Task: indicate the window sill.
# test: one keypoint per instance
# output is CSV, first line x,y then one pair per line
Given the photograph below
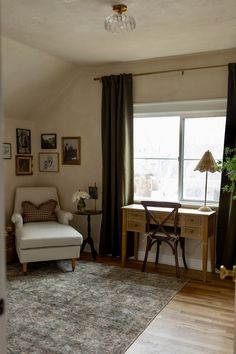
x,y
191,205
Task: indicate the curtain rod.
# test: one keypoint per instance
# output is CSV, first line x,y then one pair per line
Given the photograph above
x,y
173,70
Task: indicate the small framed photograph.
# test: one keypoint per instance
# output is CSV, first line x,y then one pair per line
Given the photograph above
x,y
93,192
48,162
24,165
6,151
71,154
48,141
23,141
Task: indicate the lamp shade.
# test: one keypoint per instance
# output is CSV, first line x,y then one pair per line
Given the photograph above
x,y
207,163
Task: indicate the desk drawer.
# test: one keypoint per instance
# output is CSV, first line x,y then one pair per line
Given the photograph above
x,y
136,221
136,215
191,232
136,226
191,220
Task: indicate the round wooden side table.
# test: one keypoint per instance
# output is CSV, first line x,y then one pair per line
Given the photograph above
x,y
89,239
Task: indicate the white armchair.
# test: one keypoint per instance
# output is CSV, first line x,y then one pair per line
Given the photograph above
x,y
44,240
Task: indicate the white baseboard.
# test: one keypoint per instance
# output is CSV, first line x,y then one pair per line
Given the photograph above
x,y
192,263
169,260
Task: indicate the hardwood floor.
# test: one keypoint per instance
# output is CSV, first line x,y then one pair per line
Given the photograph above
x,y
199,319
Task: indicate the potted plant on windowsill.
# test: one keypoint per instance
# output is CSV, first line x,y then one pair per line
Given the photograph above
x,y
229,166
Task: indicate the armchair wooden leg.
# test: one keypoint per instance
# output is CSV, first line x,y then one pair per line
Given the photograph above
x,y
24,268
73,261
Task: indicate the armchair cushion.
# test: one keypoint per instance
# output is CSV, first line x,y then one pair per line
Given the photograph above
x,y
43,212
48,234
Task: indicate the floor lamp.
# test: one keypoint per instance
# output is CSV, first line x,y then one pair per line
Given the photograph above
x,y
206,164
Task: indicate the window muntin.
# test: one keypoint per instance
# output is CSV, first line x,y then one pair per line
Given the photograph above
x,y
166,151
201,134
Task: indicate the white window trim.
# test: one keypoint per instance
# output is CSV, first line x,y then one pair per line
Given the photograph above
x,y
197,107
184,109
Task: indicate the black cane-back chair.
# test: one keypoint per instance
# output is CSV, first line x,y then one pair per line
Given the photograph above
x,y
162,227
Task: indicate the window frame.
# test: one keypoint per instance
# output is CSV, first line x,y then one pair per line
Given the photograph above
x,y
184,110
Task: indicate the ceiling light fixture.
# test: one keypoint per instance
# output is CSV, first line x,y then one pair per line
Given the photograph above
x,y
119,21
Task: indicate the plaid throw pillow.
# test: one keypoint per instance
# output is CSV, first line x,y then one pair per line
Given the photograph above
x,y
42,212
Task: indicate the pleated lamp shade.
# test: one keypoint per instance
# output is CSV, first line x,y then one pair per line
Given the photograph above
x,y
206,164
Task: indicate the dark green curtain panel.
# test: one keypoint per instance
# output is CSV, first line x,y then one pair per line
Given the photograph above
x,y
117,156
226,228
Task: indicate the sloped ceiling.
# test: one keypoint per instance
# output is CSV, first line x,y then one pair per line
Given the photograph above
x,y
32,80
44,41
74,29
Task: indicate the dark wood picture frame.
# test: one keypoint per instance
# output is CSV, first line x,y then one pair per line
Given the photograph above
x,y
6,151
23,141
24,165
71,150
48,141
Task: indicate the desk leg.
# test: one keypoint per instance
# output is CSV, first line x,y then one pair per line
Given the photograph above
x,y
204,260
204,248
136,245
212,244
124,237
212,247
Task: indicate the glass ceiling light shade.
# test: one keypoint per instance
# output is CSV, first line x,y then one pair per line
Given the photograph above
x,y
119,21
206,164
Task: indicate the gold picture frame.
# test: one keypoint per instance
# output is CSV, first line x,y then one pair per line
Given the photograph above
x,y
24,165
71,150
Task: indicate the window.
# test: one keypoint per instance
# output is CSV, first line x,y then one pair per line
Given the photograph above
x,y
168,146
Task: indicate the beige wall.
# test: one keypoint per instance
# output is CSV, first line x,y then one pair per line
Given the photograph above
x,y
77,110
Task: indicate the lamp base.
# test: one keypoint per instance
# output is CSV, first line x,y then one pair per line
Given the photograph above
x,y
204,208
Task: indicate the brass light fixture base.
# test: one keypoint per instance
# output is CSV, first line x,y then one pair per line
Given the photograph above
x,y
120,8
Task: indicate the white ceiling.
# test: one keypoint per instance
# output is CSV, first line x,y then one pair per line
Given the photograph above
x,y
74,29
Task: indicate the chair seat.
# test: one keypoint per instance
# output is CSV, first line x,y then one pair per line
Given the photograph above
x,y
48,234
161,235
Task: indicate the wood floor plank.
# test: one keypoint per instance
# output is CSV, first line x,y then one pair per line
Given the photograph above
x,y
198,320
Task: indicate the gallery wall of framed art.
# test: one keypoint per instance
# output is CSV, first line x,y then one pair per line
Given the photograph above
x,y
48,160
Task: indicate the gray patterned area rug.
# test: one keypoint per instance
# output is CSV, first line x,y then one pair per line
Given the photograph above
x,y
98,309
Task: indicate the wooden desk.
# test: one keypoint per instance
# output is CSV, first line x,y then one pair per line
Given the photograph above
x,y
194,224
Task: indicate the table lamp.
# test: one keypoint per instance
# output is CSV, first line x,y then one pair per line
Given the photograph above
x,y
206,164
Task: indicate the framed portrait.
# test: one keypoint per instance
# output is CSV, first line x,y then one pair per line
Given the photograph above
x,y
48,162
48,141
6,151
71,154
93,192
23,141
24,165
